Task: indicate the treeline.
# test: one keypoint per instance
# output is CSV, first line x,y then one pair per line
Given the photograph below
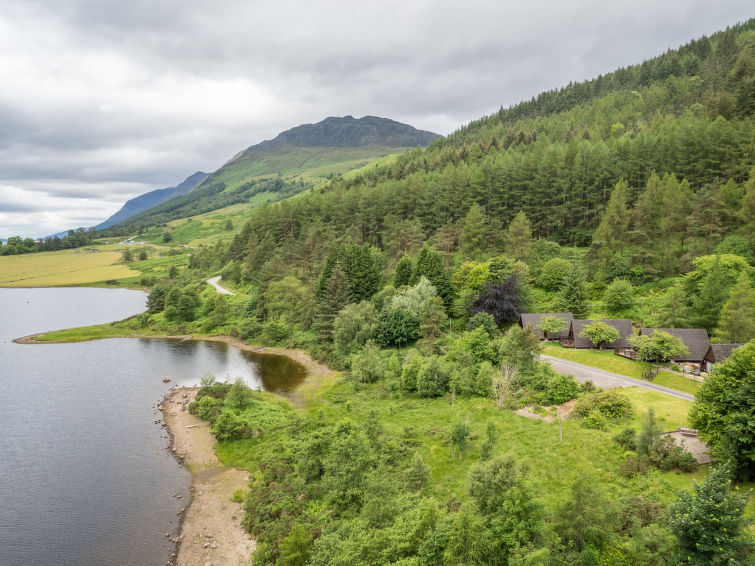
x,y
74,239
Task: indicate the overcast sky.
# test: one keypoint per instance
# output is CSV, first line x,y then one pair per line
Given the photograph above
x,y
101,101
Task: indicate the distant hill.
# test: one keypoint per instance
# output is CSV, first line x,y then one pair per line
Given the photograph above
x,y
313,147
152,198
295,160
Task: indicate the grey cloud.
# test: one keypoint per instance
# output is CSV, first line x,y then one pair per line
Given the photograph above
x,y
106,93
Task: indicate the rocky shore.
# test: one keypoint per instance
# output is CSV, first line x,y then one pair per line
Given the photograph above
x,y
211,532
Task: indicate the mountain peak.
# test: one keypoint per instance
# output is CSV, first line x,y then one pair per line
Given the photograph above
x,y
348,131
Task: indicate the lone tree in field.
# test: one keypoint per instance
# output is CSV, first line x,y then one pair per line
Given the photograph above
x,y
551,325
599,333
710,525
658,348
459,437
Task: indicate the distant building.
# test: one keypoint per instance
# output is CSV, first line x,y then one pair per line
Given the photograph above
x,y
533,319
574,340
696,340
716,354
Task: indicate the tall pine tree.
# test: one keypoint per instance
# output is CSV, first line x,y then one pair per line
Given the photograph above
x,y
573,295
737,321
335,297
518,239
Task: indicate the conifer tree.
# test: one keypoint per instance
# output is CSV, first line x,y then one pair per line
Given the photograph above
x,y
573,295
430,265
611,234
674,312
737,322
403,272
518,240
335,297
473,232
713,294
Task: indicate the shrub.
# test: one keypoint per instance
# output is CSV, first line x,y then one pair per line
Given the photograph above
x,y
627,439
552,274
366,366
619,296
208,408
229,426
561,388
275,330
595,419
612,404
486,321
432,378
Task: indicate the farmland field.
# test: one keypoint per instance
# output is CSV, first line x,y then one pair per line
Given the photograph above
x,y
66,267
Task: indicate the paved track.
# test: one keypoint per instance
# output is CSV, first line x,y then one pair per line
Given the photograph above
x,y
606,379
218,288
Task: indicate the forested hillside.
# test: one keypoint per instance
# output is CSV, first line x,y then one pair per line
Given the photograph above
x,y
630,196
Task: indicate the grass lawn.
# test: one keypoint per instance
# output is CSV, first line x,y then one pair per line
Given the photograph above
x,y
609,361
65,267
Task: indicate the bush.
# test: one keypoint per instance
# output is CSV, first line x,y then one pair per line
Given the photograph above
x,y
627,439
207,408
229,426
486,321
595,419
366,366
432,378
561,388
612,404
634,466
619,296
552,274
275,331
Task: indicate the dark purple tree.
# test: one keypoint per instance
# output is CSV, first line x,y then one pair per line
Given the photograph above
x,y
503,301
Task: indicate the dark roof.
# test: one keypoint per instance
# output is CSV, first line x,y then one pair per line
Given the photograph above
x,y
696,340
534,318
624,326
720,351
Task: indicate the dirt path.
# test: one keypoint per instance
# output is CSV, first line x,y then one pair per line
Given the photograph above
x,y
211,532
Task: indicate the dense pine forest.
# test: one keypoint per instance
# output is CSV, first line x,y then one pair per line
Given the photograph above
x,y
629,196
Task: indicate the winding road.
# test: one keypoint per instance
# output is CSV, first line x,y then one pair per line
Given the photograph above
x,y
607,379
222,290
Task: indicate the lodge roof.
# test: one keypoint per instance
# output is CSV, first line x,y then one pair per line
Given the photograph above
x,y
534,318
696,340
719,352
624,326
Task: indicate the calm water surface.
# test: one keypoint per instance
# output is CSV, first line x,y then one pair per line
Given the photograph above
x,y
85,477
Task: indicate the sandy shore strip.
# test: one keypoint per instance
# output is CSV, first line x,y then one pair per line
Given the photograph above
x,y
211,532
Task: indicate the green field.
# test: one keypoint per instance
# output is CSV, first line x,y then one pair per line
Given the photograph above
x,y
609,361
81,266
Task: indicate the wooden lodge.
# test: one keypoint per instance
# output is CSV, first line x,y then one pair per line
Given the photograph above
x,y
574,340
696,340
533,319
716,354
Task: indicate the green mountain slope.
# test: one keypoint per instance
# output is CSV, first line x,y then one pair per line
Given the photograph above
x,y
687,113
295,160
